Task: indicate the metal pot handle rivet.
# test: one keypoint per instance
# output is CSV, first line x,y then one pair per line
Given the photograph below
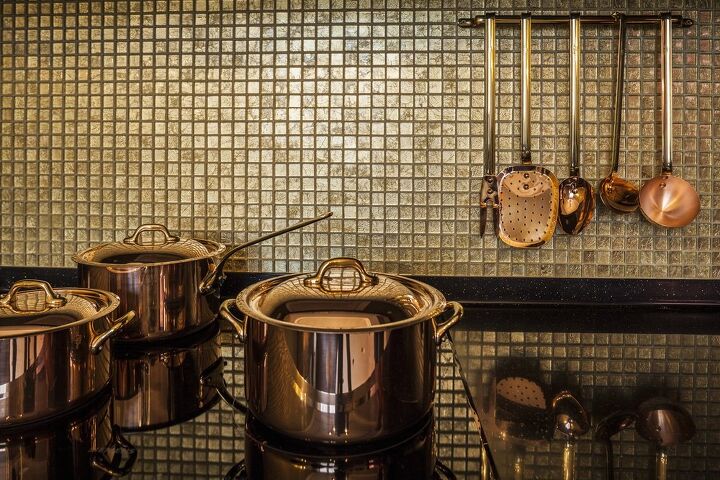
x,y
97,343
237,324
316,281
118,443
52,298
150,227
442,327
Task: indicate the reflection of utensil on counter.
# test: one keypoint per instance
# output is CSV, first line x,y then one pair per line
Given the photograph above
x,y
571,419
521,415
615,192
665,424
488,192
667,200
607,428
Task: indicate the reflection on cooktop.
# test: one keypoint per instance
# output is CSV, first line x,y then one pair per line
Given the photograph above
x,y
627,405
215,443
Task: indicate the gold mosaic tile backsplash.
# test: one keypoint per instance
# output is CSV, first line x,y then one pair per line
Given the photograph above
x,y
229,119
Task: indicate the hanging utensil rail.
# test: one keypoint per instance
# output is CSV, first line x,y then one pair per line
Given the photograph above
x,y
479,20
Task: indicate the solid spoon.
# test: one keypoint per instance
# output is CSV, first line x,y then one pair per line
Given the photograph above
x,y
577,201
615,192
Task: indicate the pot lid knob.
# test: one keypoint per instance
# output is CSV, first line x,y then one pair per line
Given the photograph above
x,y
134,239
52,298
317,280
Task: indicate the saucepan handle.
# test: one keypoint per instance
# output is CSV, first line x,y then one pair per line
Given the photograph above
x,y
114,467
96,344
213,377
443,326
215,276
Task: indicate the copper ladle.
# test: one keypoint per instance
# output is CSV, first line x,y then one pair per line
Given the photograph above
x,y
617,193
667,200
577,201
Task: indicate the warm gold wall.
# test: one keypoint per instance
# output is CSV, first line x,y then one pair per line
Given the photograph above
x,y
226,119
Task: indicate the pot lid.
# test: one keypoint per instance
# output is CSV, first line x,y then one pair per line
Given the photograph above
x,y
33,306
341,296
132,251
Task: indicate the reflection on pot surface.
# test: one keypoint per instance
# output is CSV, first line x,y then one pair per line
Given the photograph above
x,y
82,445
268,456
161,386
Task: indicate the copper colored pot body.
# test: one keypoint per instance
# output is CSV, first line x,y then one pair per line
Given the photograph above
x,y
162,387
340,363
165,296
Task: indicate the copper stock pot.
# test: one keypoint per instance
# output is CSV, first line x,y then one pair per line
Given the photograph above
x,y
340,356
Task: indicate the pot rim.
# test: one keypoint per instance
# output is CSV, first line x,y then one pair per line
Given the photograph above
x,y
435,307
215,249
111,300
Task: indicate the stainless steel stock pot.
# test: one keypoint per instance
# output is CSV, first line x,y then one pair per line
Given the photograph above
x,y
341,355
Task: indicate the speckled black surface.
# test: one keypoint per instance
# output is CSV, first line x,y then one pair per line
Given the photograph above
x,y
521,303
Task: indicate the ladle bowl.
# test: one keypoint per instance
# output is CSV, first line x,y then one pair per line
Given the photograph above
x,y
669,201
618,194
664,423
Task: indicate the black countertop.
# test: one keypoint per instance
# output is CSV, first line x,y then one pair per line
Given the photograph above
x,y
611,344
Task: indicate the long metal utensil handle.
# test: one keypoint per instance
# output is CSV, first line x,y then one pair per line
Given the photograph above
x,y
661,463
489,152
525,54
667,100
210,281
574,94
619,86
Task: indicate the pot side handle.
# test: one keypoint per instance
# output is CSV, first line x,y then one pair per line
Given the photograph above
x,y
442,327
96,344
229,316
118,443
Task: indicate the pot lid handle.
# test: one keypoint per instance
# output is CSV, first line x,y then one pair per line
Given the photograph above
x,y
316,281
150,227
52,298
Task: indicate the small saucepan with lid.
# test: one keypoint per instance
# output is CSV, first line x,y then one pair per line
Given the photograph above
x,y
51,348
340,356
165,279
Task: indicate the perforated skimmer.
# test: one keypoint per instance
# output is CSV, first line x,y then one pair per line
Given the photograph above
x,y
528,194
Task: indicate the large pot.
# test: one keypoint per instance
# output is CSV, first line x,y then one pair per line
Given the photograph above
x,y
51,348
340,358
168,283
158,280
76,445
159,387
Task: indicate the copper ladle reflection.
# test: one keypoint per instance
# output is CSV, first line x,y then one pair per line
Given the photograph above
x,y
577,201
667,200
615,192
